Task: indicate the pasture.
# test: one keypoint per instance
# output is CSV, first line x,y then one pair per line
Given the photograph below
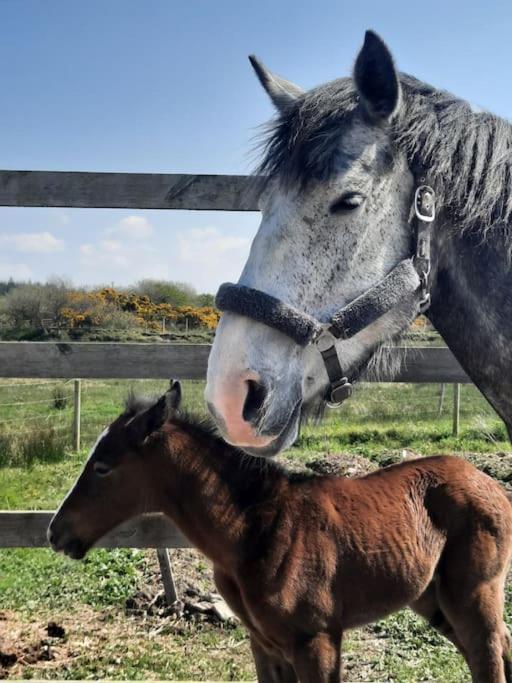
x,y
113,625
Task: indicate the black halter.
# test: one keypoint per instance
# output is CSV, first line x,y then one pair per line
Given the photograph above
x,y
406,285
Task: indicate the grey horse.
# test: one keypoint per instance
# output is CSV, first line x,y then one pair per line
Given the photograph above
x,y
340,165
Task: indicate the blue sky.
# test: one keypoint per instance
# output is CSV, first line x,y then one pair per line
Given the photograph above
x,y
165,86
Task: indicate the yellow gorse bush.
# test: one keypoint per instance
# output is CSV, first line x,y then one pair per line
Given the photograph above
x,y
94,309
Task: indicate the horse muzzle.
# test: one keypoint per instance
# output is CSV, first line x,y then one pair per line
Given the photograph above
x,y
62,540
255,414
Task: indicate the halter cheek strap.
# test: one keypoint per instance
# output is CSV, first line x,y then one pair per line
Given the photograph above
x,y
404,287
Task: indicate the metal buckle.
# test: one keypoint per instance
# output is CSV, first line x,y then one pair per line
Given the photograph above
x,y
324,340
340,391
418,197
424,303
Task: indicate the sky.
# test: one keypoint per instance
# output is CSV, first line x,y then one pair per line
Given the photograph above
x,y
165,86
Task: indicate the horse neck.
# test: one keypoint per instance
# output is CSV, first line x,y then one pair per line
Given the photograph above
x,y
215,495
471,310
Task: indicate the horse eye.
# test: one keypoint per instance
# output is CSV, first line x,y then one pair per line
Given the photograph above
x,y
102,469
347,202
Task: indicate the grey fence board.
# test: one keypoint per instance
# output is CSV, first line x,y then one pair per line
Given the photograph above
x,y
103,360
22,529
112,360
77,189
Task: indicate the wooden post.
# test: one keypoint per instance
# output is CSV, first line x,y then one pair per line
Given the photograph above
x,y
456,409
164,561
441,399
77,406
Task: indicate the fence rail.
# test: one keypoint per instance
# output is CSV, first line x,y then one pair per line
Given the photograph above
x,y
23,529
77,189
110,360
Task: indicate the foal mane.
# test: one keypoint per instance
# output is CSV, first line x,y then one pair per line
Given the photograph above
x,y
467,154
204,429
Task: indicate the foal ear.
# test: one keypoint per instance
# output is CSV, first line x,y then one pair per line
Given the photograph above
x,y
376,79
148,421
281,92
173,397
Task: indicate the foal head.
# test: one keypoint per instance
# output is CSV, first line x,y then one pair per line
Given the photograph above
x,y
120,477
335,220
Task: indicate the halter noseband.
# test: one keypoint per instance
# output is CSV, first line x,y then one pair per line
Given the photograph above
x,y
405,285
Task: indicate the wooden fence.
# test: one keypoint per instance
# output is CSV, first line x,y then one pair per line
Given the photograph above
x,y
113,360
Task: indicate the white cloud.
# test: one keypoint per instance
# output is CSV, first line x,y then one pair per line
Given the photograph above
x,y
18,271
204,257
31,242
86,249
200,244
211,256
132,227
127,262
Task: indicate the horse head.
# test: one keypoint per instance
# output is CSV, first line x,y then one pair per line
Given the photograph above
x,y
336,209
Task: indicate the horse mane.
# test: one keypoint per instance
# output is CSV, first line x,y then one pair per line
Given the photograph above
x,y
467,154
203,428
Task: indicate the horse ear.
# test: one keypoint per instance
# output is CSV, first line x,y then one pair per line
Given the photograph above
x,y
376,79
173,397
281,92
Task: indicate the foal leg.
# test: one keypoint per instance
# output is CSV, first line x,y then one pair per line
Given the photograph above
x,y
318,659
507,654
476,613
271,669
427,606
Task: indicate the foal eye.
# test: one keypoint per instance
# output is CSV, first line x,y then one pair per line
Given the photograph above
x,y
347,202
102,469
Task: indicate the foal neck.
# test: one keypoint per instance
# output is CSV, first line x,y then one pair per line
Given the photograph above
x,y
214,493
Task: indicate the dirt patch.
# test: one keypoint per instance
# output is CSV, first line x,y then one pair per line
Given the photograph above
x,y
342,465
98,644
496,465
25,644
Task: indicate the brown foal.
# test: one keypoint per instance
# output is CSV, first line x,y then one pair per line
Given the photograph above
x,y
301,558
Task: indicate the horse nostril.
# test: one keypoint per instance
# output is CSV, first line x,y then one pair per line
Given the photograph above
x,y
254,400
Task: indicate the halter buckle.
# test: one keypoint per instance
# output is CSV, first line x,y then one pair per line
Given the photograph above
x,y
340,391
424,304
324,340
425,203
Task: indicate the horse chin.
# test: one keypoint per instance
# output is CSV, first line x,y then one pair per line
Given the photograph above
x,y
76,549
285,438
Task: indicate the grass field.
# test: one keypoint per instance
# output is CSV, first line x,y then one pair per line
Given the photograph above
x,y
103,637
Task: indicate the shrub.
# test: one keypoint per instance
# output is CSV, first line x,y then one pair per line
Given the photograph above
x,y
167,292
203,300
23,447
30,304
60,399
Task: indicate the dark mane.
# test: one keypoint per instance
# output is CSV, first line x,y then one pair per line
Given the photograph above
x,y
467,154
202,427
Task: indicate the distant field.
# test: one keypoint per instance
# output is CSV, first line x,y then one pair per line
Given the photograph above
x,y
89,598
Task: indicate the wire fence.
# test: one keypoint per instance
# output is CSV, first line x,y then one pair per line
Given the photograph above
x,y
27,406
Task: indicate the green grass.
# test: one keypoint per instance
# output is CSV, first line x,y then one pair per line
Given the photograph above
x,y
36,585
35,579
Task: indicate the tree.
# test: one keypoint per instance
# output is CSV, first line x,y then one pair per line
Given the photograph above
x,y
30,304
167,292
6,286
203,300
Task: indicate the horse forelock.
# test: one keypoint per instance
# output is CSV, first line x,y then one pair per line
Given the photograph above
x,y
467,152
